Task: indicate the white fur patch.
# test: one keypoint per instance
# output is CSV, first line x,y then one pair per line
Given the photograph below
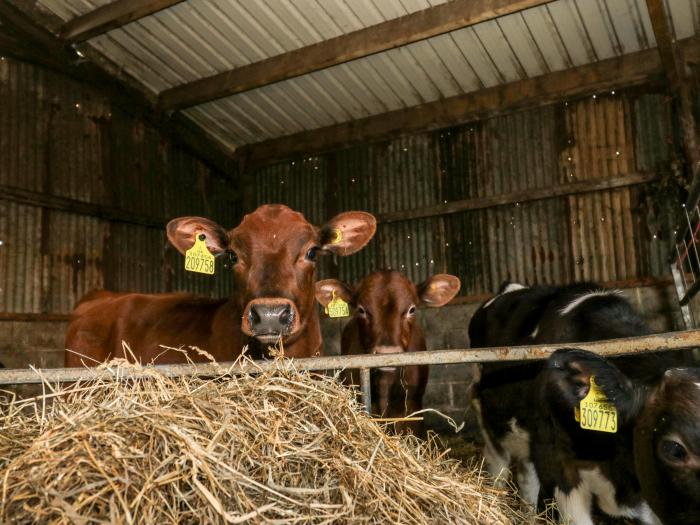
x,y
517,441
534,332
697,385
497,464
576,505
528,482
582,298
512,287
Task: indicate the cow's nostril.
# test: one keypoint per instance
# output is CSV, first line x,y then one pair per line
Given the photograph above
x,y
286,315
253,316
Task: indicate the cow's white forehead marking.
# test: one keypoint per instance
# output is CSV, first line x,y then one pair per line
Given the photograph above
x,y
512,287
582,298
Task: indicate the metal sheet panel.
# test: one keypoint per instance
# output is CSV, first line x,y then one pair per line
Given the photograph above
x,y
199,38
61,139
602,235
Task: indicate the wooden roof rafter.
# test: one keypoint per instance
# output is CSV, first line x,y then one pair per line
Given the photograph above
x,y
111,16
387,35
625,71
36,44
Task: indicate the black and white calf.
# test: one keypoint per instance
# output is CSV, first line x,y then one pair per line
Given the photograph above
x,y
505,396
648,470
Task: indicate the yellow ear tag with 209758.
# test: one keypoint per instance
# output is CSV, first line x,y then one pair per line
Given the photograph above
x,y
596,412
337,307
198,258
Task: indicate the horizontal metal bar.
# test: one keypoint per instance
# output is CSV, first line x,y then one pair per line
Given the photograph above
x,y
631,345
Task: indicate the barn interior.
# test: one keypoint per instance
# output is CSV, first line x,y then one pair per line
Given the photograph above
x,y
537,141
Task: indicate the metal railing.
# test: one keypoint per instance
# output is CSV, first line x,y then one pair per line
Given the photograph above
x,y
627,346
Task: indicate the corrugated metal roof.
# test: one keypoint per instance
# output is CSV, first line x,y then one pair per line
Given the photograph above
x,y
199,38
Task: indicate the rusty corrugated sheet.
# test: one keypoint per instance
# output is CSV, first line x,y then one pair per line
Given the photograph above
x,y
60,138
603,235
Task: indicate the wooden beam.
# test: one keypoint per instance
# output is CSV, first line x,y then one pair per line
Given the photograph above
x,y
109,213
664,41
574,188
375,39
111,16
681,91
47,50
634,69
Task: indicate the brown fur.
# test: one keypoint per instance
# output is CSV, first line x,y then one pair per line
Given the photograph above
x,y
271,245
384,322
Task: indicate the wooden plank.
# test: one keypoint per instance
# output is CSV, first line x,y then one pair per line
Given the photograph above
x,y
32,317
43,200
111,16
673,61
574,188
635,69
612,347
375,39
47,50
664,41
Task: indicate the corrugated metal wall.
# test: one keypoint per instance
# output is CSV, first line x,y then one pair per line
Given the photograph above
x,y
602,235
63,139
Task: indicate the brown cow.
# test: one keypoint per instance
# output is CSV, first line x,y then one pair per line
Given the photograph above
x,y
385,322
275,250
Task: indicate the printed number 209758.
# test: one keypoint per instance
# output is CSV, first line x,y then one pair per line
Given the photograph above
x,y
199,264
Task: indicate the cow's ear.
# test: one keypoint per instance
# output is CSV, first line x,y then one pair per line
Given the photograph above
x,y
348,232
438,290
568,380
183,231
325,291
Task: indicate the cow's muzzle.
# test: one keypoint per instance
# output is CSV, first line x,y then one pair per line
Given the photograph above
x,y
270,319
384,349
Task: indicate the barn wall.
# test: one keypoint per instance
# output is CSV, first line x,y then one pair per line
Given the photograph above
x,y
61,140
611,235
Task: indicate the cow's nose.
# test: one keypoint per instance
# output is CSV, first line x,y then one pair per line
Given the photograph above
x,y
270,319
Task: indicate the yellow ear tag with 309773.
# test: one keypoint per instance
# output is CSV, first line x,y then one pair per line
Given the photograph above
x,y
337,307
596,412
198,258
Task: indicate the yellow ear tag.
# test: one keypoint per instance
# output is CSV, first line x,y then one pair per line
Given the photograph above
x,y
596,412
198,258
337,307
338,236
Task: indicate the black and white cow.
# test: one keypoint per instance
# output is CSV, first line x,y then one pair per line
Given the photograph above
x,y
505,396
648,470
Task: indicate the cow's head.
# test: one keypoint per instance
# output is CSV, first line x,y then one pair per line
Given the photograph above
x,y
663,421
385,305
667,447
275,250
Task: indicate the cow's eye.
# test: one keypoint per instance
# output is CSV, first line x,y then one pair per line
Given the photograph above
x,y
311,254
230,260
361,310
672,451
411,310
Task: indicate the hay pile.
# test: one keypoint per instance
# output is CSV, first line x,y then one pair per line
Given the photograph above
x,y
278,447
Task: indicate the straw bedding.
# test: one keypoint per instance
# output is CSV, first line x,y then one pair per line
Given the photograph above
x,y
273,447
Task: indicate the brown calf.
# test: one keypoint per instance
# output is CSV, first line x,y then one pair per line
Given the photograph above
x,y
275,250
385,322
